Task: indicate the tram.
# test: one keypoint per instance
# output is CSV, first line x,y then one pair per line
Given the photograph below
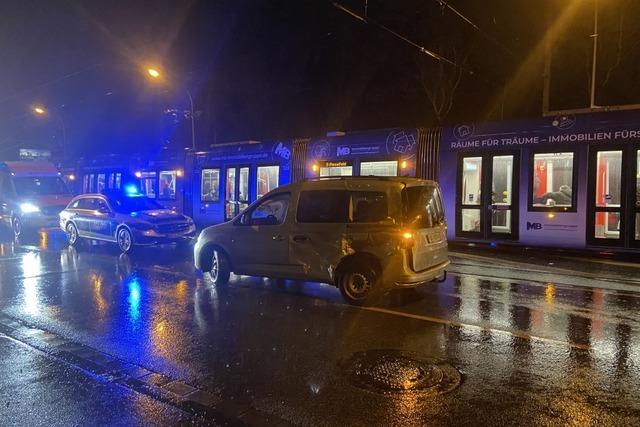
x,y
570,181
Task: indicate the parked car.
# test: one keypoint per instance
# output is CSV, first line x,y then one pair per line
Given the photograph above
x,y
124,218
32,194
361,234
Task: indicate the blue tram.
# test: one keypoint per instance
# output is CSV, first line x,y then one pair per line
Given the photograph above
x,y
567,181
570,181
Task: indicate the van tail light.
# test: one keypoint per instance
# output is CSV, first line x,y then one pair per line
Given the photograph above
x,y
408,239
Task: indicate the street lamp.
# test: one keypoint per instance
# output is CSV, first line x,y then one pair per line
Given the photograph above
x,y
42,111
155,74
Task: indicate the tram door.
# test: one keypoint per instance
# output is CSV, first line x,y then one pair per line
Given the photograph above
x,y
613,217
487,196
237,191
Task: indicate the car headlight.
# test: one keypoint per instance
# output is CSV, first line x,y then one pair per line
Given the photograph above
x,y
28,208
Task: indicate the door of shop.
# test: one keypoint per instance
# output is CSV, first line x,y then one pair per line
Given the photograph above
x,y
613,217
237,191
487,196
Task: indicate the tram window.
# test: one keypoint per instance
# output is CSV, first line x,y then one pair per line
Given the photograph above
x,y
384,168
118,178
336,170
243,188
85,184
92,178
608,185
210,185
148,184
167,189
471,173
638,180
101,182
552,180
267,179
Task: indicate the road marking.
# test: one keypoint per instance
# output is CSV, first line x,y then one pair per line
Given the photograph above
x,y
517,334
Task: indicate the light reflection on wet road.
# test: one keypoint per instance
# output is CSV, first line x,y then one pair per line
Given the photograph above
x,y
531,350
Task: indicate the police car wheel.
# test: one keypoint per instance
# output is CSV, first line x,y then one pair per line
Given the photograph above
x,y
125,240
72,234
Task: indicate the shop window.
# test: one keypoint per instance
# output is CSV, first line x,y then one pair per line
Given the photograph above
x,y
148,184
100,183
323,206
267,179
552,183
383,168
369,206
210,185
167,188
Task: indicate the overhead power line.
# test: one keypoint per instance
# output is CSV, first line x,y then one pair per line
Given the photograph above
x,y
422,49
444,4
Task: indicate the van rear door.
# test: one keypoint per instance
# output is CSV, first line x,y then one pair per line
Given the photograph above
x,y
424,216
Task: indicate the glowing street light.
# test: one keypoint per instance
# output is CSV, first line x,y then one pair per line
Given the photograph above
x,y
155,74
42,111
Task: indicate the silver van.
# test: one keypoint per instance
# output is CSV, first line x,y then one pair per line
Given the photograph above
x,y
361,234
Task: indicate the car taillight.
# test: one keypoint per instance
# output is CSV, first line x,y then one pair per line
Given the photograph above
x,y
407,239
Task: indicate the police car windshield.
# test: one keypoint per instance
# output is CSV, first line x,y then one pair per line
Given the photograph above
x,y
40,186
128,204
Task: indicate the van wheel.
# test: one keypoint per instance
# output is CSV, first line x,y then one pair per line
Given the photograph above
x,y
220,270
125,241
358,283
72,234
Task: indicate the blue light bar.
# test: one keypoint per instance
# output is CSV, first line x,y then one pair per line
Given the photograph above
x,y
131,190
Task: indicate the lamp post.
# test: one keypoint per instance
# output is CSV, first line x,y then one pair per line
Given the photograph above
x,y
155,74
42,111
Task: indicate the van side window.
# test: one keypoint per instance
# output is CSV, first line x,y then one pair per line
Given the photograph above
x,y
323,206
369,206
271,211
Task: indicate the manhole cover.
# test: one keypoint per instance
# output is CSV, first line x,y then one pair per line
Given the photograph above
x,y
394,371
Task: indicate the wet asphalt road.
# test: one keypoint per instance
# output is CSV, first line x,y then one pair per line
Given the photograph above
x,y
537,341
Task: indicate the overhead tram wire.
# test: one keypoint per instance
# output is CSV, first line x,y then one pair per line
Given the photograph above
x,y
444,4
422,49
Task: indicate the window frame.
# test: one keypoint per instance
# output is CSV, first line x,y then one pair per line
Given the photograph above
x,y
299,204
380,160
259,203
258,175
217,198
174,172
574,180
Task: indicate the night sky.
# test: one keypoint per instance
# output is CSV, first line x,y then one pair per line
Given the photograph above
x,y
286,68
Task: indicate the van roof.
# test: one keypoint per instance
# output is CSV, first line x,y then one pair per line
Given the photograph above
x,y
30,168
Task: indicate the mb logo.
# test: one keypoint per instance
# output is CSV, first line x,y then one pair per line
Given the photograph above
x,y
534,226
282,151
343,151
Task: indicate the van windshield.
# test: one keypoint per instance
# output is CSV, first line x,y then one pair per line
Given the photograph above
x,y
423,206
40,186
